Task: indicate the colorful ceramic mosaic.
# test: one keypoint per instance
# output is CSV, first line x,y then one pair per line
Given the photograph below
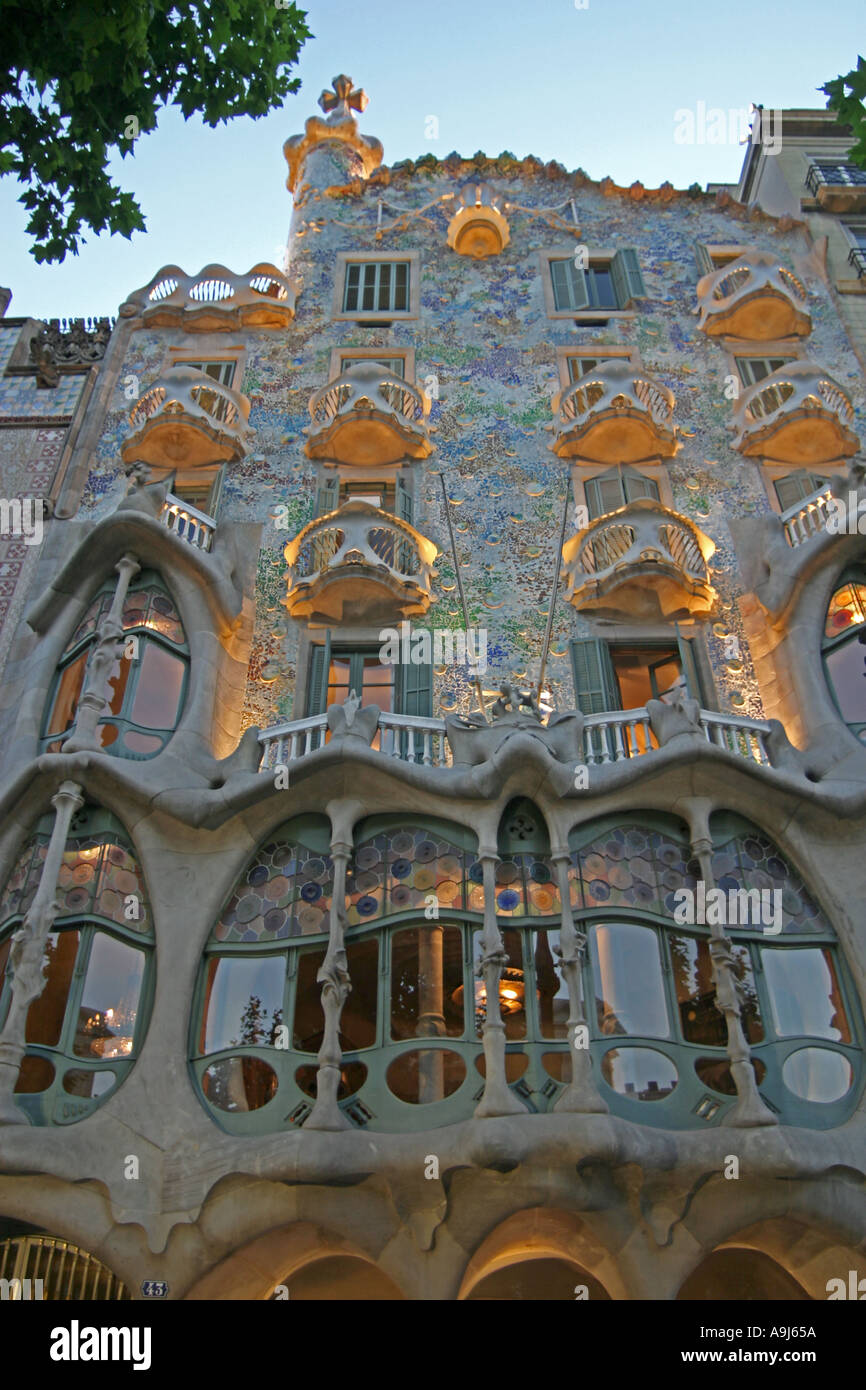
x,y
286,891
397,870
97,877
630,866
847,609
752,861
147,607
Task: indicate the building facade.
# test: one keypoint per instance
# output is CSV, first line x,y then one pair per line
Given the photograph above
x,y
468,610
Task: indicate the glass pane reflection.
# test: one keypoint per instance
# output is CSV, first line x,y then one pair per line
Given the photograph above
x,y
629,987
700,1020
640,1073
804,994
816,1073
243,1001
109,1002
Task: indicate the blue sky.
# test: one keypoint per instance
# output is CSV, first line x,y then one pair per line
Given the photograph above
x,y
596,87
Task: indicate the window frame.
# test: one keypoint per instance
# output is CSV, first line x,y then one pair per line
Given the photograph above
x,y
372,354
385,316
602,256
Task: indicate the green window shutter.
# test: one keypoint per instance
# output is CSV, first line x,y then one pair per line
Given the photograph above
x,y
690,666
328,496
415,692
353,281
703,258
595,684
627,280
635,485
595,505
216,492
569,285
403,501
317,688
796,487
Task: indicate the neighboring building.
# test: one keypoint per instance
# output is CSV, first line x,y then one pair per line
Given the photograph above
x,y
291,858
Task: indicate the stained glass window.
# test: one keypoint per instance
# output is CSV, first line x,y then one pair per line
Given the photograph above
x,y
844,653
286,891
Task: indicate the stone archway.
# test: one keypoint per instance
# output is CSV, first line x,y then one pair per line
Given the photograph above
x,y
310,1261
544,1249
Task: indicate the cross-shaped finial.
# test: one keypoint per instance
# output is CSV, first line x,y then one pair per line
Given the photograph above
x,y
343,96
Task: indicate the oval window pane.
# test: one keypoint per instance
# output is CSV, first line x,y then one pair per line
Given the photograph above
x,y
243,1001
804,994
715,1073
158,692
426,1075
640,1073
557,1065
817,1074
629,987
352,1077
515,1065
109,1000
142,743
92,1084
239,1084
36,1075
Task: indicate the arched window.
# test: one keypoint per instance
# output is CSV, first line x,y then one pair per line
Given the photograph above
x,y
411,1027
843,650
88,1024
147,684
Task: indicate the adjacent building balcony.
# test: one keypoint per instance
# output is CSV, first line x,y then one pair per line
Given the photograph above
x,y
214,299
753,298
615,414
359,564
837,186
368,416
798,414
643,561
187,418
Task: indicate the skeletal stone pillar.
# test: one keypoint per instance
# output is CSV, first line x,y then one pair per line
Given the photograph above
x,y
749,1109
108,648
431,1018
498,1098
333,976
27,954
580,1095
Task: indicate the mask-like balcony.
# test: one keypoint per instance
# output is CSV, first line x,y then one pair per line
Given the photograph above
x,y
368,416
187,418
615,414
642,561
796,415
214,299
754,298
359,564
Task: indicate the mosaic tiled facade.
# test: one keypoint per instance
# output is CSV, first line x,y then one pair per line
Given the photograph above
x,y
578,925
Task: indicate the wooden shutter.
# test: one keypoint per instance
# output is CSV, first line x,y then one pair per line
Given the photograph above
x,y
635,485
415,693
595,686
403,500
353,281
569,285
627,280
317,686
690,666
328,496
703,258
216,492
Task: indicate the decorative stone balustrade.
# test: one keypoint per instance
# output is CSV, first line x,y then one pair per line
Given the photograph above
x,y
188,522
807,518
615,414
754,298
359,563
368,416
214,299
798,414
186,417
607,738
642,560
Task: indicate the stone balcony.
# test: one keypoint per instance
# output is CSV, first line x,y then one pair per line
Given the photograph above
x,y
643,561
615,414
753,298
837,187
187,522
187,418
359,564
796,415
215,299
368,416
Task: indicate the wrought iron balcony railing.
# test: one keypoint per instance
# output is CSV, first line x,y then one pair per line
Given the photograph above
x,y
837,186
362,556
188,417
368,415
798,414
639,557
754,297
615,414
